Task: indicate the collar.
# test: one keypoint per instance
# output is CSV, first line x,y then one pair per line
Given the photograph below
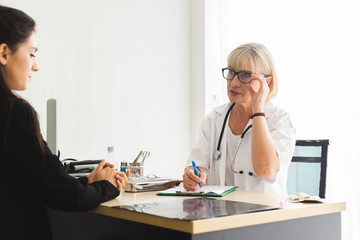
x,y
222,109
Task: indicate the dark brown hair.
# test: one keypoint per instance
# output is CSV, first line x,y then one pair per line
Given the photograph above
x,y
15,28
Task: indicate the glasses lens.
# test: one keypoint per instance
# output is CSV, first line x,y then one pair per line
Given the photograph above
x,y
228,74
245,77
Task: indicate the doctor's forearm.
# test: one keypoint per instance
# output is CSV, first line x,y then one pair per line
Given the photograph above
x,y
263,150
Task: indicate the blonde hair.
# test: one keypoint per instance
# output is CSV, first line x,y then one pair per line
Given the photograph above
x,y
255,57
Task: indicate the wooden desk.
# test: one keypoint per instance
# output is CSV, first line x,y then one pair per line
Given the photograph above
x,y
316,221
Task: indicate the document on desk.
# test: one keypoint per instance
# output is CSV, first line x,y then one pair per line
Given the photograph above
x,y
205,191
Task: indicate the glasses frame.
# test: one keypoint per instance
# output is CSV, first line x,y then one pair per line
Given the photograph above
x,y
237,74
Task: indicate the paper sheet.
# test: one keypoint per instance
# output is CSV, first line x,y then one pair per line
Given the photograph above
x,y
207,190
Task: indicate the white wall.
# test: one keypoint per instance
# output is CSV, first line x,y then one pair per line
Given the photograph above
x,y
121,73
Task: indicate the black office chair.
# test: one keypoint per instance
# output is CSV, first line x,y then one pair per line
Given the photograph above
x,y
307,171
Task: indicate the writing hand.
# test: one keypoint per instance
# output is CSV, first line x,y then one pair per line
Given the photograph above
x,y
191,181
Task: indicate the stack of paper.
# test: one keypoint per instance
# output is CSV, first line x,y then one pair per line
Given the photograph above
x,y
150,184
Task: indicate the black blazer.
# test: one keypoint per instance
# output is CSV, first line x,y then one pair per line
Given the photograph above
x,y
29,183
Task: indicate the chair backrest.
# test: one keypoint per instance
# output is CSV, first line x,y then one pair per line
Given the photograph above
x,y
307,171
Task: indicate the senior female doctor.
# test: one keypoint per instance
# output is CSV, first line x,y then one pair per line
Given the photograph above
x,y
248,142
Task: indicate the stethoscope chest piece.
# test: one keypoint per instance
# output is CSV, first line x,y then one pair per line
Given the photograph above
x,y
217,155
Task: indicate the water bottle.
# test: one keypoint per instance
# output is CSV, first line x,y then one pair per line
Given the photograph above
x,y
111,157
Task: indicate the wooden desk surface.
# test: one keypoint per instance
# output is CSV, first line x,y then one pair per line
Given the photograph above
x,y
290,211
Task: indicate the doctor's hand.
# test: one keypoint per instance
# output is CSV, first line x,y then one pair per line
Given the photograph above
x,y
191,181
259,90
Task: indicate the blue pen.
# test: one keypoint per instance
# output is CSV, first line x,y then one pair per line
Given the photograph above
x,y
196,171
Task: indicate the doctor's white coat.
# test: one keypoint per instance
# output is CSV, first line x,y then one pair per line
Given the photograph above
x,y
282,132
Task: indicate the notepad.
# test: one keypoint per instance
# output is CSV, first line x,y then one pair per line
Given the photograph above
x,y
205,191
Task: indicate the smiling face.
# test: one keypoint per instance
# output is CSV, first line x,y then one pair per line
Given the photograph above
x,y
19,65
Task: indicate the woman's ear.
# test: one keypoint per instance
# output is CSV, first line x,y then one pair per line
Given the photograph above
x,y
4,51
268,79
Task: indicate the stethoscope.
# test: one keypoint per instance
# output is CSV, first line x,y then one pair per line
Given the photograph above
x,y
217,154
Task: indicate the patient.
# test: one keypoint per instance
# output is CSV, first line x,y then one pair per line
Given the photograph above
x,y
31,178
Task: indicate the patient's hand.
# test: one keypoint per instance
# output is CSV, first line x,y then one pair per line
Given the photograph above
x,y
105,171
121,179
91,176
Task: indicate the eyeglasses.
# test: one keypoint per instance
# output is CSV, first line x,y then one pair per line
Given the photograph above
x,y
243,76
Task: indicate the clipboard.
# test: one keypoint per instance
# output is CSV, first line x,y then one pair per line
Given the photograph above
x,y
205,191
